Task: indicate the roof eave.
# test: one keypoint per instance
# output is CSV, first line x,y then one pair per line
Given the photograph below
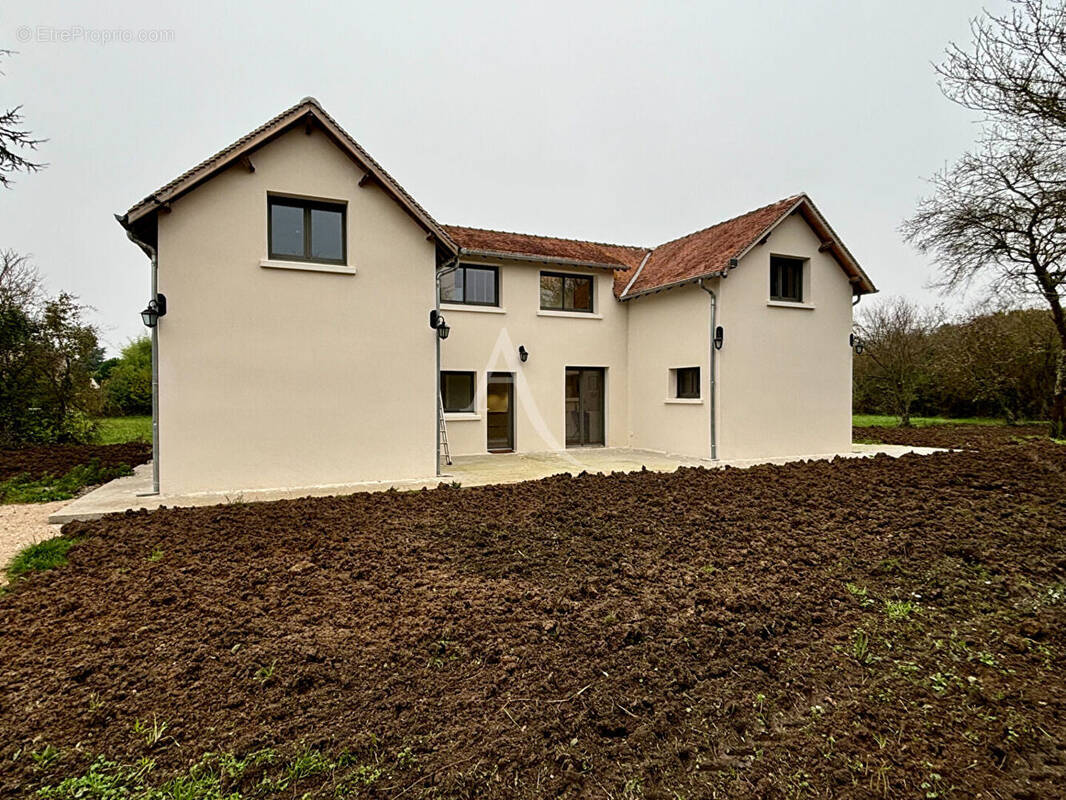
x,y
718,273
307,108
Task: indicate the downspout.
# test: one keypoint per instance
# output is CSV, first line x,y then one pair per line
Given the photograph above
x,y
154,256
713,370
438,409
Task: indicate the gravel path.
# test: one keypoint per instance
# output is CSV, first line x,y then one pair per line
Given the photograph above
x,y
23,524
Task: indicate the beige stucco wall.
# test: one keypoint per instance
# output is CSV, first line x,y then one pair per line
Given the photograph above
x,y
484,341
667,331
274,377
785,371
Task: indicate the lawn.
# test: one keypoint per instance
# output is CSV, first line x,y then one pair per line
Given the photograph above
x,y
852,628
117,430
890,421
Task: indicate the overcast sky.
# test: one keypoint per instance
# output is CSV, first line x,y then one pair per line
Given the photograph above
x,y
619,121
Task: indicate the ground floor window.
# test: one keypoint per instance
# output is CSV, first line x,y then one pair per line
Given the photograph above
x,y
686,383
457,391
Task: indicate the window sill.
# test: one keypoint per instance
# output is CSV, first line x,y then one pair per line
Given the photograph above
x,y
684,401
307,266
789,304
460,416
570,314
478,309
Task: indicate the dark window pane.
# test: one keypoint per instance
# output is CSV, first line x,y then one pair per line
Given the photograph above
x,y
457,391
551,291
286,230
451,287
582,294
688,382
327,231
480,285
786,279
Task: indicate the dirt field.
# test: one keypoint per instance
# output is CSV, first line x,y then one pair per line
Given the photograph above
x,y
858,628
950,435
57,459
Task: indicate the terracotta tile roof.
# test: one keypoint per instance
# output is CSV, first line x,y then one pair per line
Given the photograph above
x,y
703,252
306,109
523,244
638,270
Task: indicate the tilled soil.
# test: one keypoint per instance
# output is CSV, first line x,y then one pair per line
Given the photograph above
x,y
58,459
950,435
853,628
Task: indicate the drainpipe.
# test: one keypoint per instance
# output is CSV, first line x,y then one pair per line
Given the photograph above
x,y
713,363
438,410
154,256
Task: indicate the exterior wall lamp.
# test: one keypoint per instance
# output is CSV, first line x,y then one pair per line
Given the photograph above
x,y
523,354
157,308
436,321
719,337
856,344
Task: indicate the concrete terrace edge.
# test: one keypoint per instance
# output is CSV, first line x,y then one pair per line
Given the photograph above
x,y
129,493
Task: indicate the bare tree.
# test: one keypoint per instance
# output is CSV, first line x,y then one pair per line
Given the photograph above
x,y
1016,68
20,283
15,141
896,337
1000,212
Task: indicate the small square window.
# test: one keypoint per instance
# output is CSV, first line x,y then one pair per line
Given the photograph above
x,y
306,230
687,383
457,391
560,292
786,279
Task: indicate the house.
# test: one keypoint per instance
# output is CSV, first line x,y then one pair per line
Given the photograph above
x,y
297,278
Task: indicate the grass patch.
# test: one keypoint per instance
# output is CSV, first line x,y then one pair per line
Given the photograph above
x,y
890,421
224,776
46,488
44,555
119,430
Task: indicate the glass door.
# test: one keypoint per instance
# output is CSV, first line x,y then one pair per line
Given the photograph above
x,y
500,402
585,406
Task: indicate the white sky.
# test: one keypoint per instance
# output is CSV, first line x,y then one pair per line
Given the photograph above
x,y
617,121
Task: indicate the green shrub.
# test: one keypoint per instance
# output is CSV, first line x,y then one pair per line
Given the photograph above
x,y
128,387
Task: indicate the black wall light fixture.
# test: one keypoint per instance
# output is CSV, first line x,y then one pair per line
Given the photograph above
x,y
157,308
719,337
856,344
436,321
523,354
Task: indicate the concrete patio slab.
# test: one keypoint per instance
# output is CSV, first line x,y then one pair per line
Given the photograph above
x,y
132,492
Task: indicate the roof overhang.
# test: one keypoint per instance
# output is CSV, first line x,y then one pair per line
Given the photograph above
x,y
830,242
312,116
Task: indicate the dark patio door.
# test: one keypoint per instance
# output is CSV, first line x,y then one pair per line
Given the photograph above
x,y
584,406
500,403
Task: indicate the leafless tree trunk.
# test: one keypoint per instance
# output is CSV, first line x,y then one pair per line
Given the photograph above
x,y
998,216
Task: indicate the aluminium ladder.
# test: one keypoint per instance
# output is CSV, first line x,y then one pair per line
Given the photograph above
x,y
443,430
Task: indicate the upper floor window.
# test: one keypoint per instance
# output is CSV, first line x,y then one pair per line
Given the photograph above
x,y
561,292
786,279
471,285
306,230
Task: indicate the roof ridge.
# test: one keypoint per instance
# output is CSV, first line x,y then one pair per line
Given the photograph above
x,y
733,219
546,236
